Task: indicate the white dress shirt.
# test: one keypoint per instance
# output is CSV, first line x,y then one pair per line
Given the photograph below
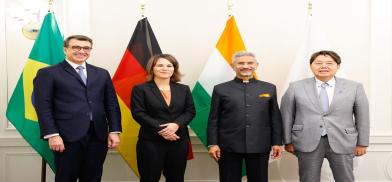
x,y
330,88
74,66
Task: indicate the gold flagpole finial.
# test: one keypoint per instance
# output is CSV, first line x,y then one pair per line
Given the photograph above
x,y
310,7
50,3
230,5
142,5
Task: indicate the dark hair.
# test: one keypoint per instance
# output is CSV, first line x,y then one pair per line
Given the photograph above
x,y
77,37
331,54
176,77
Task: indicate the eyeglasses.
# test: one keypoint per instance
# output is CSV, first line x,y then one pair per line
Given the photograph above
x,y
78,48
329,63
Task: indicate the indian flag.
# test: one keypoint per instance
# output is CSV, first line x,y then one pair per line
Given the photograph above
x,y
217,70
47,50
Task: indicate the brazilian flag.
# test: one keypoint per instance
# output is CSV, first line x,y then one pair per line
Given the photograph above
x,y
47,50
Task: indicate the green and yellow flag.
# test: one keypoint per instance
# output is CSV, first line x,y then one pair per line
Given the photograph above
x,y
47,50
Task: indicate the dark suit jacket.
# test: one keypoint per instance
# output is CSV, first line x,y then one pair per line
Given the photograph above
x,y
150,110
63,103
244,118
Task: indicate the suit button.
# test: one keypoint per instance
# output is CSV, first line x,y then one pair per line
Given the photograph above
x,y
247,126
247,105
90,102
321,126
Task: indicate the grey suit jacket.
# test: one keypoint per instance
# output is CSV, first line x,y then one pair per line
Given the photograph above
x,y
346,122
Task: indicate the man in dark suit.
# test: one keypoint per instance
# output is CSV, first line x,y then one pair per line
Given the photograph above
x,y
244,123
77,108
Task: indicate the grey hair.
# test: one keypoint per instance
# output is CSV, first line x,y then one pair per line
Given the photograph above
x,y
242,54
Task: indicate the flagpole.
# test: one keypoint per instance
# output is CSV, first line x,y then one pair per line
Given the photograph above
x,y
230,5
43,170
43,163
142,4
310,7
50,3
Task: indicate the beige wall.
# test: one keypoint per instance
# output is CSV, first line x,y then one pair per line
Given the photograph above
x,y
359,30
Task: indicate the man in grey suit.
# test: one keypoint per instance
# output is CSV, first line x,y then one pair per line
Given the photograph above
x,y
325,117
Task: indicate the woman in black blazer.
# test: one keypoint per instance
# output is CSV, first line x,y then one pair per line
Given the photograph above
x,y
163,108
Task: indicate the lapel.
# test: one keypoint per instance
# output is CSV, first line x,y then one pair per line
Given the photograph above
x,y
311,90
337,93
68,68
91,74
174,91
155,90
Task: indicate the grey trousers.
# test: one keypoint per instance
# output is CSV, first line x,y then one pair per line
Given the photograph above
x,y
310,163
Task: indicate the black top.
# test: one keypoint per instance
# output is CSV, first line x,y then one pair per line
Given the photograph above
x,y
150,109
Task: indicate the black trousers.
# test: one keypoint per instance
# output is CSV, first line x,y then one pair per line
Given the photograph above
x,y
157,157
81,160
230,166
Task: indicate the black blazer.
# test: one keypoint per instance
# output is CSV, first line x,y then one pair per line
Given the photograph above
x,y
63,103
244,117
150,110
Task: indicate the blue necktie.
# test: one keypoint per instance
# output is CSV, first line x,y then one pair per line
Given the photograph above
x,y
324,103
81,74
324,97
84,79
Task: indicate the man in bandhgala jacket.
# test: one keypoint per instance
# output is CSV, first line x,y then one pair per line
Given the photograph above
x,y
78,113
244,123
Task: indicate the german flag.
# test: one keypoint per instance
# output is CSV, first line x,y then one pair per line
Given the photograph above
x,y
130,72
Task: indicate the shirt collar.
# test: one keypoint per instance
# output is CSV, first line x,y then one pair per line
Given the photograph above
x,y
331,82
74,65
239,80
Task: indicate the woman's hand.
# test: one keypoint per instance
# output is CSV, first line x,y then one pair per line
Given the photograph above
x,y
168,128
169,131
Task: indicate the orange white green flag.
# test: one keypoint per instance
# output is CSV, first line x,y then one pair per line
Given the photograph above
x,y
217,70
